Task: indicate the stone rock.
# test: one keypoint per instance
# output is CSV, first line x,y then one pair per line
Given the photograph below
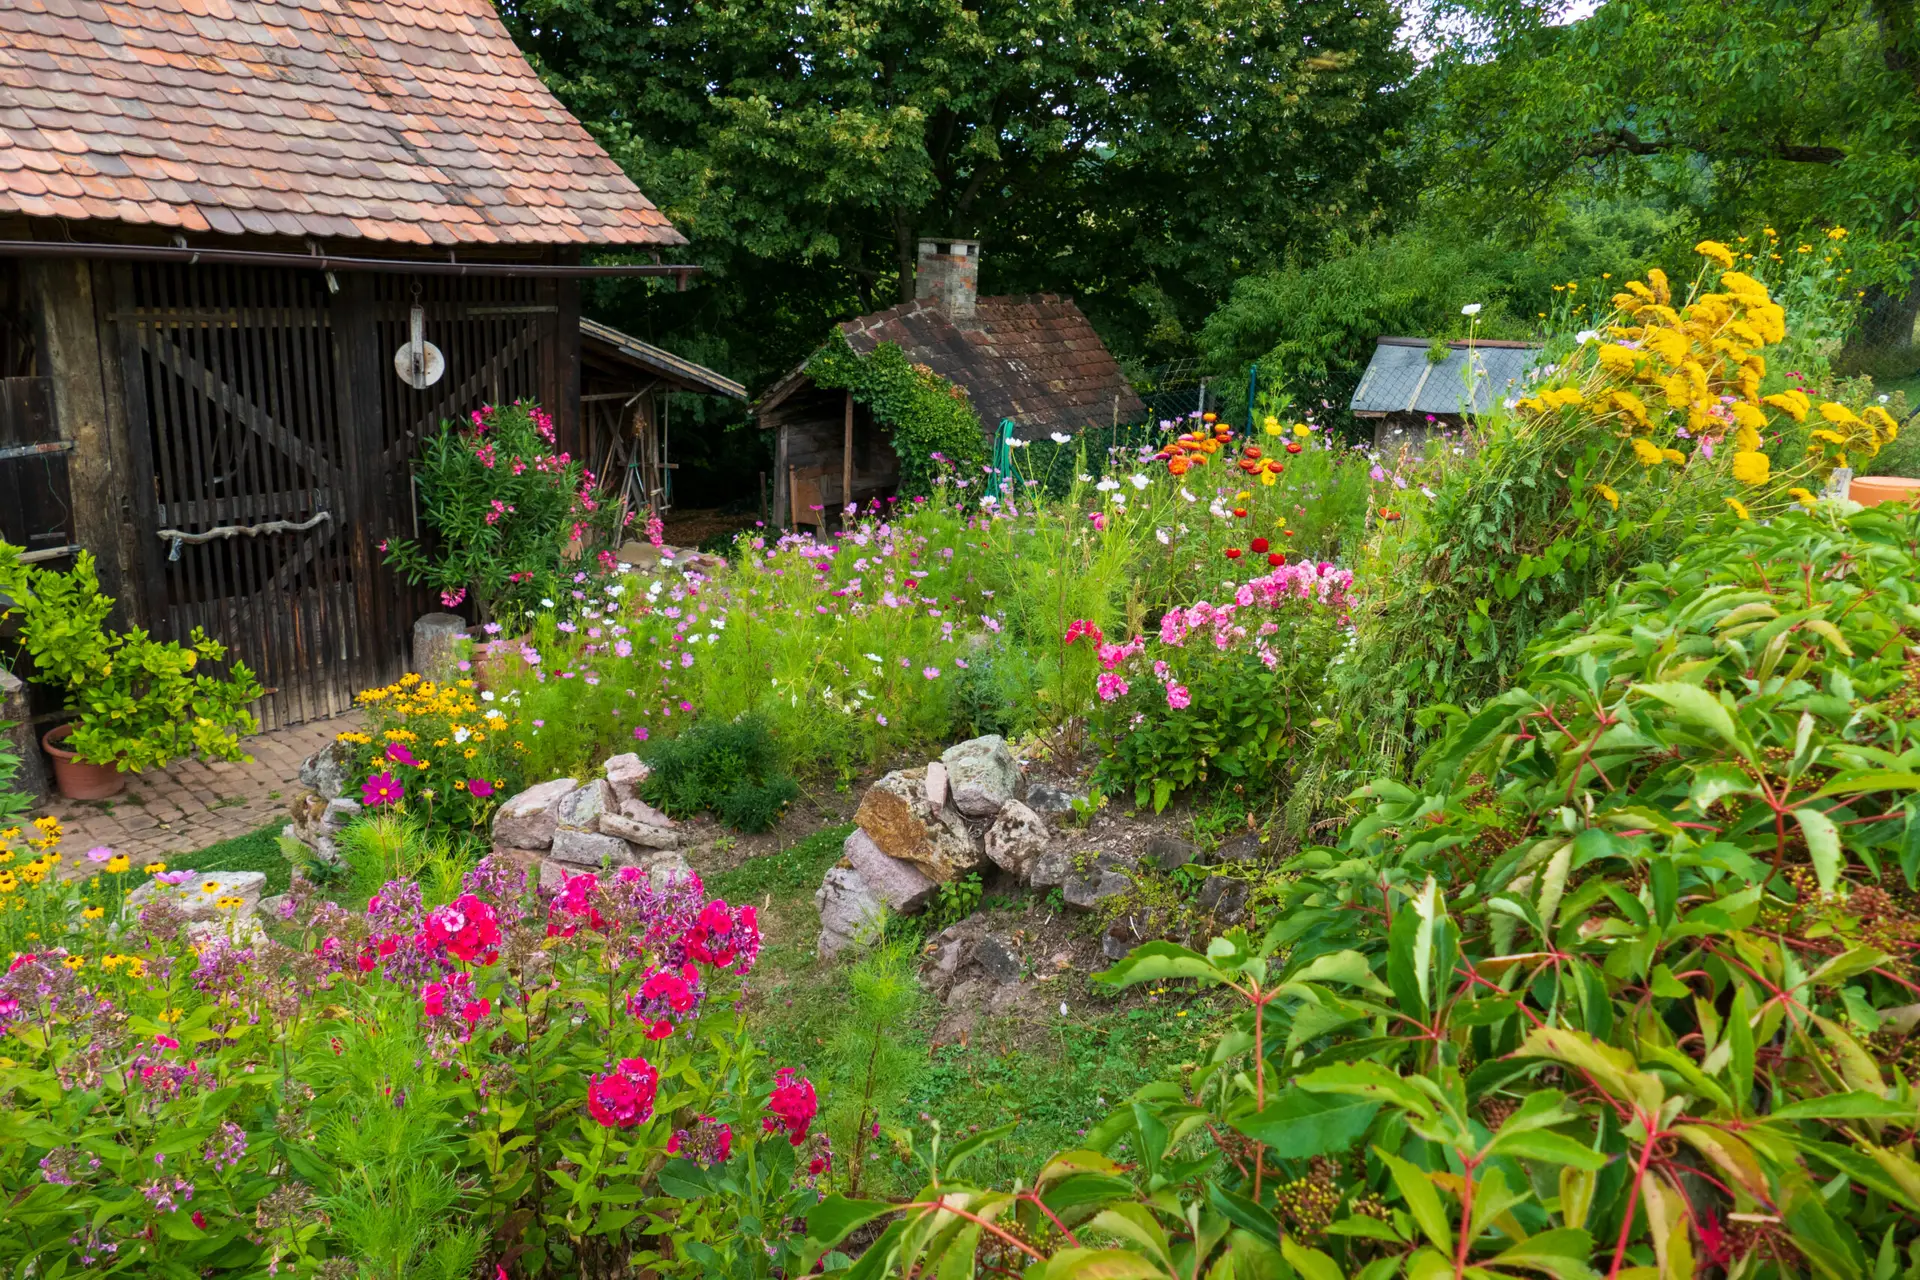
x,y
590,849
1016,839
527,821
850,916
1170,852
327,852
640,811
1224,897
994,960
580,809
626,770
1242,848
1108,877
644,834
437,641
1048,800
338,815
982,775
325,771
1051,869
936,786
196,898
663,865
642,554
901,885
895,815
549,875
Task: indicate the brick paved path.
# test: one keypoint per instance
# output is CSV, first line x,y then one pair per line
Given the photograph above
x,y
195,803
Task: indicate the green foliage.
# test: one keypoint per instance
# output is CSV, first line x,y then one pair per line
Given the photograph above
x,y
954,901
260,851
1804,114
1638,935
142,703
804,150
933,427
729,766
797,867
870,1068
503,507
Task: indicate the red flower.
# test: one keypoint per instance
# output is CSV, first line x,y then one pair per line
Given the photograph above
x,y
1276,559
1240,513
199,1219
1293,446
793,1106
1233,553
623,1097
724,937
1259,546
475,1010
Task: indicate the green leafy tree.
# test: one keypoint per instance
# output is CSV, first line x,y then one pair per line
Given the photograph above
x,y
1795,112
1135,156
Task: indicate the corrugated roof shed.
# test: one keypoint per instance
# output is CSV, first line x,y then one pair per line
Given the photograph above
x,y
662,363
1402,379
1034,359
388,120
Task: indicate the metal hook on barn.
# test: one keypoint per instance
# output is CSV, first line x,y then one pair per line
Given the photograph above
x,y
418,362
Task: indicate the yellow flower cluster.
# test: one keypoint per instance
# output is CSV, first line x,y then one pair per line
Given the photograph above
x,y
134,965
410,695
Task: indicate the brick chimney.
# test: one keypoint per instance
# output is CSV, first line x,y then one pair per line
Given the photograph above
x,y
948,276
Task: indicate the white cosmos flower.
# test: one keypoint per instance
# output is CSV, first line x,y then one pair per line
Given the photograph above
x,y
1061,437
1107,485
1137,480
1189,497
1471,309
1163,536
1585,336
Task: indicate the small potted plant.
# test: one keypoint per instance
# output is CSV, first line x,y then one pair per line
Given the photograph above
x,y
140,703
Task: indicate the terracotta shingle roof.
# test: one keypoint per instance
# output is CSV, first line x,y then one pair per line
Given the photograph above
x,y
1034,359
398,120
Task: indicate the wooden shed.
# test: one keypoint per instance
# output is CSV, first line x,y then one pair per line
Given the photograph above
x,y
1031,360
221,228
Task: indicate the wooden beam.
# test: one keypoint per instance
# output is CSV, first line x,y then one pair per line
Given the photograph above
x,y
846,467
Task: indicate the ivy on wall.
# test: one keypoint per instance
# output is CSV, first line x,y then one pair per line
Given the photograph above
x,y
926,414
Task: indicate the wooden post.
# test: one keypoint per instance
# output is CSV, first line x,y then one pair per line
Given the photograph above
x,y
68,335
846,467
763,497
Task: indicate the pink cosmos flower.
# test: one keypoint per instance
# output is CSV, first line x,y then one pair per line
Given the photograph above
x,y
479,788
398,753
381,788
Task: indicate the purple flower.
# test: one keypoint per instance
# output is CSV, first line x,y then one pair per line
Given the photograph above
x,y
99,853
479,788
640,732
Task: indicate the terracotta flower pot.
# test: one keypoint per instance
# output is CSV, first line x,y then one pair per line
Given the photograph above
x,y
1871,491
77,780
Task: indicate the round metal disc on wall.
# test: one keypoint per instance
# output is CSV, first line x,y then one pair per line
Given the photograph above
x,y
433,365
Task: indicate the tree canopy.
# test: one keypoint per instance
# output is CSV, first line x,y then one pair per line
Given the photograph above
x,y
1136,155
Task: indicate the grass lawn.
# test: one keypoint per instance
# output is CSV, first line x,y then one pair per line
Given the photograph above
x,y
257,851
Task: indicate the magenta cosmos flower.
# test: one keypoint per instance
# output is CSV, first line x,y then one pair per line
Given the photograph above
x,y
382,788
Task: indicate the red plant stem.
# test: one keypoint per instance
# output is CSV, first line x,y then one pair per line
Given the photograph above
x,y
1033,1198
1466,1217
1015,1241
1633,1201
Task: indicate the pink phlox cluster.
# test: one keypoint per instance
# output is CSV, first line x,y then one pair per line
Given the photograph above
x,y
667,998
623,1097
707,1143
791,1107
163,1078
725,938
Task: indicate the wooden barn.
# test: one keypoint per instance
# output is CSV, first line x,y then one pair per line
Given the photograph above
x,y
249,255
1030,360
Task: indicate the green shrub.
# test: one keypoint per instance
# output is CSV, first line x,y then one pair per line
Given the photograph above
x,y
729,766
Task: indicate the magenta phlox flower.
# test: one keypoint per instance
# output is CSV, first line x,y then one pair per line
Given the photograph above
x,y
623,1097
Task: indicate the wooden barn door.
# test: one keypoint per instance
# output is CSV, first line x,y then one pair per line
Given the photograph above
x,y
234,394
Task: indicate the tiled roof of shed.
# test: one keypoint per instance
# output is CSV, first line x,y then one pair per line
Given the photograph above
x,y
1034,359
390,120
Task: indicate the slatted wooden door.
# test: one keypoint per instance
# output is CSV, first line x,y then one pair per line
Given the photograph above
x,y
235,388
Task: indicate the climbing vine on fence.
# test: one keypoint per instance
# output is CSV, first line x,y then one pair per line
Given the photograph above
x,y
930,418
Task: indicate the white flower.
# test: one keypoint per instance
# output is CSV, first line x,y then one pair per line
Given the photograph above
x,y
1162,536
1189,497
546,604
1018,444
461,735
1107,485
873,657
1086,479
1585,336
1137,480
1061,437
486,695
988,500
1471,309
